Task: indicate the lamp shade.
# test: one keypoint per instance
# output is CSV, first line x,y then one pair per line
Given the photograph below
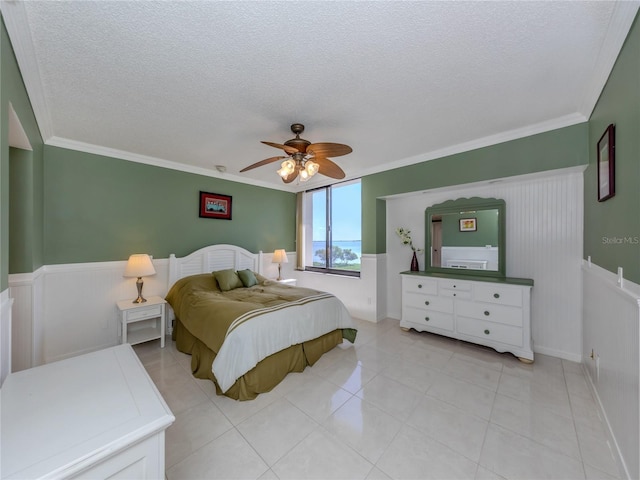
x,y
139,265
279,256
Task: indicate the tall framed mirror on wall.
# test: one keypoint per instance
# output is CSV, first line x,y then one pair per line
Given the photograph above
x,y
466,236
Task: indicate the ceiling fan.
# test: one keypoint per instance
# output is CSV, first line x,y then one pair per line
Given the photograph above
x,y
305,158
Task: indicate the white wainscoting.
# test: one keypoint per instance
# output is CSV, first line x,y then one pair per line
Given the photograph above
x,y
67,310
26,328
5,335
362,296
544,227
611,331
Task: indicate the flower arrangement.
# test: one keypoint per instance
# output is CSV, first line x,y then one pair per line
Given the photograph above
x,y
405,237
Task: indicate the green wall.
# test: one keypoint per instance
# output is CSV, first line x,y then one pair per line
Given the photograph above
x,y
21,206
486,229
565,147
612,227
25,198
100,209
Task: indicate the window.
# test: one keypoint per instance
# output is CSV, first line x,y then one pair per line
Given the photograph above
x,y
332,229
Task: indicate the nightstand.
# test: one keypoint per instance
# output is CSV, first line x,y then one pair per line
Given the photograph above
x,y
152,315
288,281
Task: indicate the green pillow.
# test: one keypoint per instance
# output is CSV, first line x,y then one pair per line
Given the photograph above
x,y
248,278
227,279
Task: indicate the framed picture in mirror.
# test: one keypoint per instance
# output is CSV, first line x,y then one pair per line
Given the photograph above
x,y
468,224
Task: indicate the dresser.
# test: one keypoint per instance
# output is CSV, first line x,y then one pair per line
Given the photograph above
x,y
97,415
491,311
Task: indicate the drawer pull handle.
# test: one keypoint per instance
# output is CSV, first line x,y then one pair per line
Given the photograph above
x,y
426,302
454,294
487,332
419,285
496,295
454,286
486,313
426,319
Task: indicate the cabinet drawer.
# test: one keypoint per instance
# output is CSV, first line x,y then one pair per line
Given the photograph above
x,y
419,285
499,294
455,294
429,318
492,313
456,285
428,302
145,312
489,331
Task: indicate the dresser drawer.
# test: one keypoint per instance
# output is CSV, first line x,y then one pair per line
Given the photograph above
x,y
492,313
428,302
456,285
489,331
428,318
148,312
419,285
455,294
499,294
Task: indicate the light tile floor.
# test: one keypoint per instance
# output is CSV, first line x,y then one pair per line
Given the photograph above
x,y
402,405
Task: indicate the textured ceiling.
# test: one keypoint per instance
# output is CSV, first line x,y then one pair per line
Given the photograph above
x,y
193,85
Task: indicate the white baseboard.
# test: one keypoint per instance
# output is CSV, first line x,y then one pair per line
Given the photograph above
x,y
573,357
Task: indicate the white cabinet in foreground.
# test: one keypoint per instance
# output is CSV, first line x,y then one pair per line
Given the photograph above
x,y
489,311
97,415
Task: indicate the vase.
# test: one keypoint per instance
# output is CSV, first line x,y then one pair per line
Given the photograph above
x,y
414,263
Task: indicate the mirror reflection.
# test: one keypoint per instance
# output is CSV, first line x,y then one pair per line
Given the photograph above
x,y
466,235
465,240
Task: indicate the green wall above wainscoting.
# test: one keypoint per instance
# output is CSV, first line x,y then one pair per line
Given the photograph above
x,y
561,148
100,209
612,227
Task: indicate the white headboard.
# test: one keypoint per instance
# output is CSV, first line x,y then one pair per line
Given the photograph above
x,y
212,258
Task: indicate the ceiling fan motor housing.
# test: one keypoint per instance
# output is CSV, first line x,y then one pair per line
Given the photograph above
x,y
299,143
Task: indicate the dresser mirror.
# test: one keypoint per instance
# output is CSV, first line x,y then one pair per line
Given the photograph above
x,y
466,236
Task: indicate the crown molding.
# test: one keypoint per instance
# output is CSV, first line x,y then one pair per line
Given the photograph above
x,y
624,13
15,20
157,162
502,137
17,136
542,127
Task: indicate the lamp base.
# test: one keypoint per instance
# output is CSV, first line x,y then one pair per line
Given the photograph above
x,y
140,298
279,275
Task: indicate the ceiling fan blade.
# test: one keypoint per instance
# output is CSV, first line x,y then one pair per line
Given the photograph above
x,y
286,148
328,149
291,177
266,161
329,168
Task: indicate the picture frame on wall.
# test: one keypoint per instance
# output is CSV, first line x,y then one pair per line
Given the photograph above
x,y
468,224
606,164
215,205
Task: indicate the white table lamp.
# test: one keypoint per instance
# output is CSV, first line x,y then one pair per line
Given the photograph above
x,y
139,265
279,257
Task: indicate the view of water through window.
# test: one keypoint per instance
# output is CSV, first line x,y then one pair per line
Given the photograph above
x,y
343,240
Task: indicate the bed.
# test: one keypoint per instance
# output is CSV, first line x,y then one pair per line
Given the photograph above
x,y
244,331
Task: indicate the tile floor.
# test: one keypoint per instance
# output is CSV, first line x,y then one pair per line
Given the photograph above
x,y
401,405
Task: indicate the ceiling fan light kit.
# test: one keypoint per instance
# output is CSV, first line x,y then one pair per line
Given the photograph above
x,y
305,158
287,168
